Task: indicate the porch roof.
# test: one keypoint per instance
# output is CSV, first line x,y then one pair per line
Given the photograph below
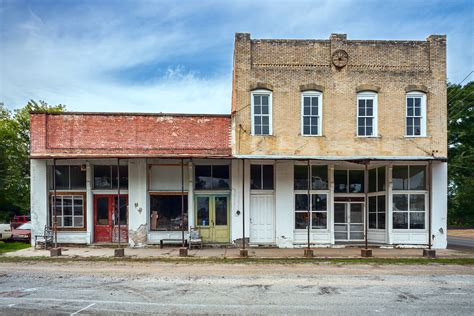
x,y
105,135
341,158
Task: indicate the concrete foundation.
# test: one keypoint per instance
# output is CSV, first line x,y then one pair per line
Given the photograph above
x,y
244,253
309,253
55,252
183,252
366,253
429,253
119,252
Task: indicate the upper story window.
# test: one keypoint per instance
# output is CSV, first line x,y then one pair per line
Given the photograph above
x,y
366,114
416,114
68,178
106,177
311,113
261,112
261,177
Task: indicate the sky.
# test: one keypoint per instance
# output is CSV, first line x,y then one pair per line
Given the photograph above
x,y
176,56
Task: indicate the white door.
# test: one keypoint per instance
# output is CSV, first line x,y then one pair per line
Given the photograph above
x,y
262,220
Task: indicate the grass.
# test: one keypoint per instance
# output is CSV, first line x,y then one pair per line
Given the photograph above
x,y
195,260
12,246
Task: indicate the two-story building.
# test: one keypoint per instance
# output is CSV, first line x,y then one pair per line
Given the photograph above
x,y
329,142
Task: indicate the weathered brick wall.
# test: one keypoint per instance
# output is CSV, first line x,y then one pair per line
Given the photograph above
x,y
108,134
391,67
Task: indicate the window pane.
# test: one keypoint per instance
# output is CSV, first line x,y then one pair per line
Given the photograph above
x,y
369,131
400,202
67,205
361,107
301,220
67,221
257,109
339,213
301,177
319,220
301,202
319,177
307,101
265,109
221,210
319,202
102,215
417,202
306,130
202,177
356,181
340,180
369,107
78,221
203,211
381,179
356,213
268,177
62,177
220,177
373,220
123,177
165,212
78,206
265,130
78,177
417,220
381,220
306,110
102,178
123,210
372,204
256,177
416,126
417,178
381,204
400,177
257,100
264,99
400,220
361,131
265,120
258,120
258,130
372,180
409,127
361,122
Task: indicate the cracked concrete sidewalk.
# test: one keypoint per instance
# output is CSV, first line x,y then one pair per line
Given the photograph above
x,y
173,252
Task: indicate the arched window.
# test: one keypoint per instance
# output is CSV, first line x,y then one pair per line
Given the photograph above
x,y
311,113
261,103
416,114
367,114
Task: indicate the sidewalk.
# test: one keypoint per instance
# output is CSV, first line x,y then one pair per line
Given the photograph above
x,y
152,252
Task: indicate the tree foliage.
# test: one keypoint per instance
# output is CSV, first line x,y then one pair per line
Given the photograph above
x,y
461,154
14,157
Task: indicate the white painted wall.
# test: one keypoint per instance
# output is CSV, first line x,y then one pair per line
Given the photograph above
x,y
137,197
236,202
439,205
38,196
285,219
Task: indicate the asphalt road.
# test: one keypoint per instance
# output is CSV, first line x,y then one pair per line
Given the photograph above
x,y
461,241
165,288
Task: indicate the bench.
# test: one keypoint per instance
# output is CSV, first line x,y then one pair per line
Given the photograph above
x,y
47,237
172,241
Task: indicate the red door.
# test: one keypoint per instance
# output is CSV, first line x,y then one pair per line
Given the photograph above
x,y
106,225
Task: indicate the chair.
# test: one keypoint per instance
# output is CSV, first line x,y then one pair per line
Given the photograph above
x,y
47,237
195,238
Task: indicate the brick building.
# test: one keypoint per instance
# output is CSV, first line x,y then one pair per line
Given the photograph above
x,y
328,142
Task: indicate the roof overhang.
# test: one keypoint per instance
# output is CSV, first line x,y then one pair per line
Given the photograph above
x,y
342,158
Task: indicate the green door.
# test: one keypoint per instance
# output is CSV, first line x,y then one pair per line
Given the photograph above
x,y
212,217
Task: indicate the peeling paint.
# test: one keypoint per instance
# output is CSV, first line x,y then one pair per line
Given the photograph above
x,y
137,238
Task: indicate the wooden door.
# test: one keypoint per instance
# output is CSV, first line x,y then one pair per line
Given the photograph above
x,y
106,228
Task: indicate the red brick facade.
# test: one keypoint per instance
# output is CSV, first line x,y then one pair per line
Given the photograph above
x,y
129,135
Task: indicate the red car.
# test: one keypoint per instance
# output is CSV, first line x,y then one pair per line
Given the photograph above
x,y
19,220
22,232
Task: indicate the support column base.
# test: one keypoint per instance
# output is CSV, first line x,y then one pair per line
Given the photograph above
x,y
244,253
183,252
429,253
55,252
119,252
308,253
366,253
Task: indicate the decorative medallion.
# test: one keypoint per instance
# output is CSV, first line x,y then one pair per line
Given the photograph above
x,y
340,58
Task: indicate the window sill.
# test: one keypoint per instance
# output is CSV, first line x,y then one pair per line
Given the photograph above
x,y
260,135
416,136
369,137
302,135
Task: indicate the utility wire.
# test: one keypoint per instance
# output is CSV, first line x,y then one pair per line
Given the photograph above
x,y
465,78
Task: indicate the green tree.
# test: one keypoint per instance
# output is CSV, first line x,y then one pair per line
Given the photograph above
x,y
14,157
461,154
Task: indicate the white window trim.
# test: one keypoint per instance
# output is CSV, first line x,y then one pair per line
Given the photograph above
x,y
408,193
373,96
422,95
320,112
270,110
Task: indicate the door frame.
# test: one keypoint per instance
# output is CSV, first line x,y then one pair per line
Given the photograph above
x,y
269,193
212,215
111,225
348,222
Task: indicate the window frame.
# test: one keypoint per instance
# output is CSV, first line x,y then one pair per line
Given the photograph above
x,y
408,211
270,110
52,175
84,210
319,116
261,165
212,165
368,95
423,119
169,193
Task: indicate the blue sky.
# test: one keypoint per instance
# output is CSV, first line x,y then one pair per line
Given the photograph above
x,y
176,56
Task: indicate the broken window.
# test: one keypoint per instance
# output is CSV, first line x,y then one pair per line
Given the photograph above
x,y
166,213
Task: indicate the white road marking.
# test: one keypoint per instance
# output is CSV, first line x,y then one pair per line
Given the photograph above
x,y
83,309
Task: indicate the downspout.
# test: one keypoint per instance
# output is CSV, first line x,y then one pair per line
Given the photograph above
x,y
182,202
309,204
